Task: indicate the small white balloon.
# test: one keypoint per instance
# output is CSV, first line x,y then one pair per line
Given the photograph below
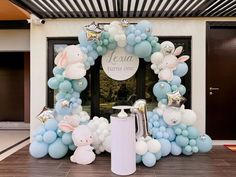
x,y
165,74
141,147
157,58
172,116
189,117
153,146
107,143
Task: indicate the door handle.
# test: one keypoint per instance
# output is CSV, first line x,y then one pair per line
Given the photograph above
x,y
214,88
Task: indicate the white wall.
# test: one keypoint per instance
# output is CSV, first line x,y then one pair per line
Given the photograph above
x,y
194,27
15,40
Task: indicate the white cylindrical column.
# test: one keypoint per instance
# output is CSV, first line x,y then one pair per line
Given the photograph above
x,y
123,157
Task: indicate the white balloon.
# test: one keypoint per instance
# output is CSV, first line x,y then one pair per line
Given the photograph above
x,y
153,146
121,43
167,47
165,74
77,110
172,116
107,143
141,147
189,117
157,58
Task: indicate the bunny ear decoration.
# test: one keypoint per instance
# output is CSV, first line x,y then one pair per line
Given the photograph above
x,y
178,51
183,58
65,127
61,59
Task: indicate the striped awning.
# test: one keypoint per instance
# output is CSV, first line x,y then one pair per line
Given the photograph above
x,y
128,8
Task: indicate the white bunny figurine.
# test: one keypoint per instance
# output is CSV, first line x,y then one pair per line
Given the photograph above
x,y
82,138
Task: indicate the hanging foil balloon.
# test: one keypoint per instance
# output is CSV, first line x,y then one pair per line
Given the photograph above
x,y
45,114
93,31
175,99
140,109
124,22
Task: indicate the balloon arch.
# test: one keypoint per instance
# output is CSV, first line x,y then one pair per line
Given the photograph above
x,y
170,124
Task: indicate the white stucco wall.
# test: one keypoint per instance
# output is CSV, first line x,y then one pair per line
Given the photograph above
x,y
15,40
194,27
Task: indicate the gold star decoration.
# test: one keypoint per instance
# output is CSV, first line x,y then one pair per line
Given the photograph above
x,y
175,99
93,31
45,114
124,22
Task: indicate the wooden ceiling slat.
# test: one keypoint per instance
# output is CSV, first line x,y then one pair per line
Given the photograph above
x,y
87,9
74,10
107,7
114,8
100,8
222,9
135,7
227,10
80,9
149,8
219,7
156,8
47,10
176,11
233,8
59,8
142,9
68,13
201,7
210,9
189,11
128,8
56,13
94,9
163,10
183,10
232,14
169,11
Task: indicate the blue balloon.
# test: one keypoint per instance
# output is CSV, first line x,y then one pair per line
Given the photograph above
x,y
144,25
131,39
93,54
80,84
57,149
49,136
175,149
143,49
53,83
56,70
112,46
181,140
59,77
176,81
60,95
38,149
186,152
181,69
62,110
165,147
204,143
157,48
138,39
193,133
138,158
41,130
149,159
171,133
39,138
161,89
72,147
59,133
83,39
51,124
65,86
158,155
67,138
182,89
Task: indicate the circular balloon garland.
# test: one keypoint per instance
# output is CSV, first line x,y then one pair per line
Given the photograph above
x,y
170,124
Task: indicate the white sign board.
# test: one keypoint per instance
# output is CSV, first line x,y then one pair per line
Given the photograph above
x,y
120,65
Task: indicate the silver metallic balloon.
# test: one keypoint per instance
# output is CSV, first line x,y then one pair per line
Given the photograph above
x,y
45,114
140,109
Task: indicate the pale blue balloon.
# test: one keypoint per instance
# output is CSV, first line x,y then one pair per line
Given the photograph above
x,y
161,89
83,39
62,110
181,69
157,48
60,77
171,133
72,147
181,140
158,155
138,39
41,130
38,149
144,25
192,142
165,147
80,84
57,149
65,86
175,149
176,81
93,54
149,159
204,143
60,95
182,89
39,138
53,83
51,124
67,138
112,46
56,70
129,48
130,39
138,158
193,133
188,148
143,49
49,136
186,152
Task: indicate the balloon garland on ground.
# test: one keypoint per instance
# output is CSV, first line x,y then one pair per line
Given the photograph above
x,y
68,127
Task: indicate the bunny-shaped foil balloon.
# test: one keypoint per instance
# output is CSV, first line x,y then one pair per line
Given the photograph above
x,y
166,61
82,138
72,60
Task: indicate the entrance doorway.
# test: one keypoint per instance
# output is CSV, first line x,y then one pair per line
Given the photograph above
x,y
102,92
220,80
